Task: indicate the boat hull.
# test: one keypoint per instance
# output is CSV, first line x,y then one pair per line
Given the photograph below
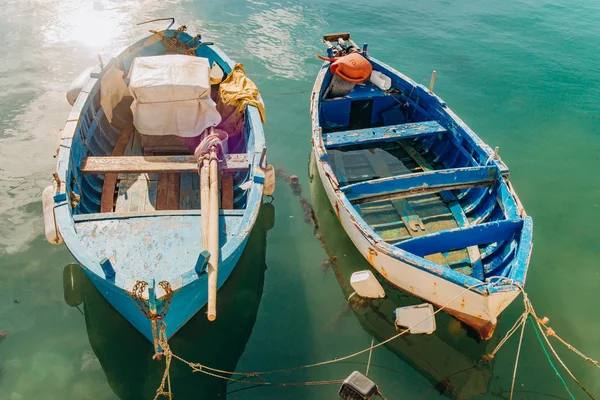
x,y
476,309
167,253
186,301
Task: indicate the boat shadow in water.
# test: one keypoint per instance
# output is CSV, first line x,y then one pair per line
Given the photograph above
x,y
126,355
449,358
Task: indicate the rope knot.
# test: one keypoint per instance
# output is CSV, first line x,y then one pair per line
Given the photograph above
x,y
486,358
212,140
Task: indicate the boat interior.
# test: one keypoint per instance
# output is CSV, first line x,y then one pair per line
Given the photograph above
x,y
135,196
165,178
417,179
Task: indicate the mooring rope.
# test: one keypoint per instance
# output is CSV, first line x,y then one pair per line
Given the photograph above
x,y
369,361
550,359
222,374
514,377
292,92
552,333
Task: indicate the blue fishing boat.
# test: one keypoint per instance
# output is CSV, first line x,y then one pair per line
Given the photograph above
x,y
154,238
421,196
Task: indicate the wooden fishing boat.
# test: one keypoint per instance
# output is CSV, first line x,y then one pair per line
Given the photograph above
x,y
124,354
128,205
424,200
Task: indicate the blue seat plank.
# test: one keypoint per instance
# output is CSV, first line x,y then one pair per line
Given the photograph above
x,y
411,220
461,238
430,181
382,134
457,212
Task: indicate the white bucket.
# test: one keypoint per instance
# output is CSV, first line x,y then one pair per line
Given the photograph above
x,y
380,80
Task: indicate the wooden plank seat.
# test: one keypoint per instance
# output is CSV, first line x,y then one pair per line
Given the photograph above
x,y
154,164
424,182
382,134
463,237
455,209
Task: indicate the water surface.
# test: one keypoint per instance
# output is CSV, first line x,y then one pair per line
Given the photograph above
x,y
523,74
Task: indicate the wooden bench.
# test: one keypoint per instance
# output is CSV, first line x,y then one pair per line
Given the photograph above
x,y
156,164
382,134
463,237
423,182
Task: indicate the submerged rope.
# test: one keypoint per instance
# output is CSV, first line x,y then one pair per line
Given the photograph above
x,y
369,361
514,378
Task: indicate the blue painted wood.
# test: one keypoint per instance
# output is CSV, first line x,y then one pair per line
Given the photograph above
x,y
507,201
519,273
381,134
109,271
430,181
336,113
150,246
386,107
366,91
461,238
202,262
501,263
152,295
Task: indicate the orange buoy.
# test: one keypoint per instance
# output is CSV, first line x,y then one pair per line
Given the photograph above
x,y
352,67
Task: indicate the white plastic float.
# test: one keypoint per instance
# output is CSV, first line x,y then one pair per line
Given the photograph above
x,y
419,318
78,84
366,285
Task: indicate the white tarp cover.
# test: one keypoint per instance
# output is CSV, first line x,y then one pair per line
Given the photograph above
x,y
112,90
170,77
181,118
172,95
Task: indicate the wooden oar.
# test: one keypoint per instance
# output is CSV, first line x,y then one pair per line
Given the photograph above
x,y
213,236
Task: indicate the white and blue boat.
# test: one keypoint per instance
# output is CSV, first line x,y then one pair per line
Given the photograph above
x,y
131,215
421,196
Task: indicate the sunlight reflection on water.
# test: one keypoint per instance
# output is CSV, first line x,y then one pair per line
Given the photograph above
x,y
279,39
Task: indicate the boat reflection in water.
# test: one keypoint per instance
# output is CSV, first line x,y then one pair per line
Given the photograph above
x,y
448,358
126,356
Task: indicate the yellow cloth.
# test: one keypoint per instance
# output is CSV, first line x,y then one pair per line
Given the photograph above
x,y
235,92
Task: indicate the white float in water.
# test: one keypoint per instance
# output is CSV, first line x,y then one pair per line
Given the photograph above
x,y
419,318
366,285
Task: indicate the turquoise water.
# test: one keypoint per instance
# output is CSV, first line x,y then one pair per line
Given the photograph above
x,y
523,74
